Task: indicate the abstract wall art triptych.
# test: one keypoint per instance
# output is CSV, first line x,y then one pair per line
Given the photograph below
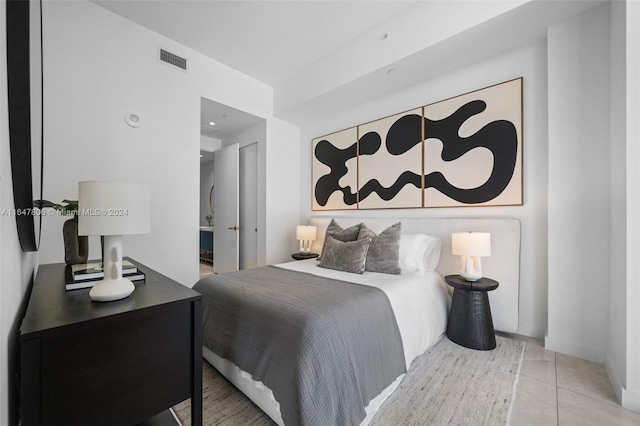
x,y
463,151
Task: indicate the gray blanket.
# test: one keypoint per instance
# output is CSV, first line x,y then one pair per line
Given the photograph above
x,y
324,347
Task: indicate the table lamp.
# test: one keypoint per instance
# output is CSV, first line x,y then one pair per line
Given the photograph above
x,y
305,234
472,246
112,209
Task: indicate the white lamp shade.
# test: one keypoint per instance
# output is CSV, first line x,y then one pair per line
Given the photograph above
x,y
471,244
113,208
305,233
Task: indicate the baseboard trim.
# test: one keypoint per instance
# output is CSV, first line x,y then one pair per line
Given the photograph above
x,y
630,400
574,349
614,378
530,331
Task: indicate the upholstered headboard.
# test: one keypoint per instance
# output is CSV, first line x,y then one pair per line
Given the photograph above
x,y
503,265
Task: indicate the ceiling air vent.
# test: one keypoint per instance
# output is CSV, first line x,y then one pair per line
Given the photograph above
x,y
172,59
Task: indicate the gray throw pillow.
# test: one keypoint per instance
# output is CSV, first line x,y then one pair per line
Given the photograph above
x,y
340,234
384,250
348,256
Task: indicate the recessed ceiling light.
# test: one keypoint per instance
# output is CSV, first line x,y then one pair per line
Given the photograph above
x,y
212,123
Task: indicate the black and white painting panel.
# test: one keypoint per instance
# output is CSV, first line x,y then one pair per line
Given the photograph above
x,y
390,162
473,148
335,171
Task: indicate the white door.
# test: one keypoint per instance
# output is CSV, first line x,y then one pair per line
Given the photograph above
x,y
226,220
249,206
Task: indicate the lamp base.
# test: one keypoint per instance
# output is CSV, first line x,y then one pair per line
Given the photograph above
x,y
109,290
471,268
473,276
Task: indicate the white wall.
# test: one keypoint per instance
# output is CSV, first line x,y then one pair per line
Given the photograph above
x,y
629,388
623,345
579,184
615,356
282,192
622,357
92,80
16,268
257,133
209,144
528,62
631,394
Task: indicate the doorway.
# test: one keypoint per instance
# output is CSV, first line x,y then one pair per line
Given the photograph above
x,y
222,127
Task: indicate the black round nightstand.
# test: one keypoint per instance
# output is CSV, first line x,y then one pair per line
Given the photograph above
x,y
470,323
303,256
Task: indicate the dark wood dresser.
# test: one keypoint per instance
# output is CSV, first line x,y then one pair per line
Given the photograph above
x,y
112,363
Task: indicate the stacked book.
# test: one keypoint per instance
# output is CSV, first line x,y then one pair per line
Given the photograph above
x,y
85,275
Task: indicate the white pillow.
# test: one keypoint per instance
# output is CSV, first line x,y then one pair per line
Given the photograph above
x,y
419,252
412,248
432,253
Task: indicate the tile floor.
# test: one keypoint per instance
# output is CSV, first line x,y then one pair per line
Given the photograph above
x,y
557,389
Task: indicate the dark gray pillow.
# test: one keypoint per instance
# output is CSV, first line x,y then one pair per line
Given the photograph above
x,y
348,256
384,250
340,234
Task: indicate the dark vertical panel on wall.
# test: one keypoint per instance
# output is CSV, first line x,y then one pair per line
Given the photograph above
x,y
19,98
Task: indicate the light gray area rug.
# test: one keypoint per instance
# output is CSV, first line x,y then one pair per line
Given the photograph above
x,y
448,385
452,385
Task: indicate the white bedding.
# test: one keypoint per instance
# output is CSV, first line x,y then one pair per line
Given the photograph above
x,y
420,304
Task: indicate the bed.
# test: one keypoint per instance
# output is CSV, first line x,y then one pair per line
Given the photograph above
x,y
312,345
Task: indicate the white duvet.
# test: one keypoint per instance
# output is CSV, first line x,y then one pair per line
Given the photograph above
x,y
419,301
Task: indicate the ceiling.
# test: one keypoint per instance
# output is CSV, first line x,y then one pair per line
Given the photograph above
x,y
227,121
265,39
